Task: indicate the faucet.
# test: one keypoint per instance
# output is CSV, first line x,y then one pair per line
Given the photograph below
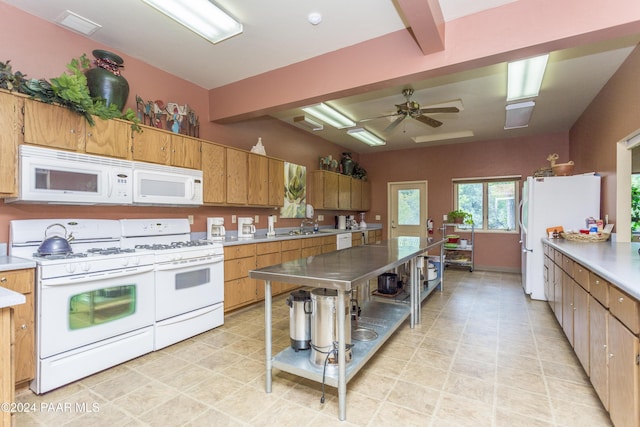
x,y
307,222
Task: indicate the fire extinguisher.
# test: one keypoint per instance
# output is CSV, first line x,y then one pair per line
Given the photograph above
x,y
430,225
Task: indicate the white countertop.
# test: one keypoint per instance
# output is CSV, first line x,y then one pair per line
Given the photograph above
x,y
8,263
9,298
619,263
260,236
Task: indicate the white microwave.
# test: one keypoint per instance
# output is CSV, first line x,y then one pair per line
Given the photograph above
x,y
64,177
166,185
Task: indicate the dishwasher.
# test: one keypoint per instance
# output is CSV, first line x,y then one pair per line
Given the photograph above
x,y
343,241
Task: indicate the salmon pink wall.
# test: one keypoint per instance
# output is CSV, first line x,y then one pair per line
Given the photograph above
x,y
440,164
42,50
611,116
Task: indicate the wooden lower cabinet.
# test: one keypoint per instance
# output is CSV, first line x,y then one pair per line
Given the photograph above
x,y
598,352
623,375
291,250
267,254
239,289
602,324
24,321
7,348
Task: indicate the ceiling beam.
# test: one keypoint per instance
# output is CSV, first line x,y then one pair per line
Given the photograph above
x,y
512,31
425,22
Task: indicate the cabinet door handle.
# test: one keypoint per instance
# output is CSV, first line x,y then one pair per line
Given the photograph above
x,y
3,279
23,326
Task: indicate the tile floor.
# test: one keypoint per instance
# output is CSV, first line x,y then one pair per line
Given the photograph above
x,y
484,355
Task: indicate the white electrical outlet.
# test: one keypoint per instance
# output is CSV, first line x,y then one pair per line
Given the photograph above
x,y
444,217
190,217
320,217
377,217
233,219
257,220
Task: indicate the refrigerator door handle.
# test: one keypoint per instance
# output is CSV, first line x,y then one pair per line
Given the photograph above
x,y
520,206
523,230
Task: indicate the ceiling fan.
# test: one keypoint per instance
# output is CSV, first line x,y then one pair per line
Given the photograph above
x,y
412,109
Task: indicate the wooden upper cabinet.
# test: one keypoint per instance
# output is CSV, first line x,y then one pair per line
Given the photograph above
x,y
356,194
214,173
237,176
344,192
322,189
53,126
110,138
276,182
366,195
186,152
258,193
152,146
9,139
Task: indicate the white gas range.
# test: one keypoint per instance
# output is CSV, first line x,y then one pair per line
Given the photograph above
x,y
189,277
108,302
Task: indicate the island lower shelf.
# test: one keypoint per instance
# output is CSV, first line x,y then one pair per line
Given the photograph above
x,y
383,317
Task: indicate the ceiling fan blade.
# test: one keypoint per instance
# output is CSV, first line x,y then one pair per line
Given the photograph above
x,y
395,123
377,117
440,110
429,121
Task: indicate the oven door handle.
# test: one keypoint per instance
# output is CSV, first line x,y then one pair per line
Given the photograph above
x,y
174,265
92,277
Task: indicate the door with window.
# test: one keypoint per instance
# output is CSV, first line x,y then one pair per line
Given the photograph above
x,y
407,208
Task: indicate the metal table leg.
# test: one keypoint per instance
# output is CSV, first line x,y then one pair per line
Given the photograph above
x,y
267,335
342,363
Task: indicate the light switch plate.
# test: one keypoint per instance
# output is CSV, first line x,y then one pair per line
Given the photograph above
x,y
257,220
377,217
233,219
320,217
444,217
190,218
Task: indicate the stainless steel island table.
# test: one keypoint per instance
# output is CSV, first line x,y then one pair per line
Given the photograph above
x,y
343,271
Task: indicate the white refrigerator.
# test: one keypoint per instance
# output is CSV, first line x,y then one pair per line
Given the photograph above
x,y
548,202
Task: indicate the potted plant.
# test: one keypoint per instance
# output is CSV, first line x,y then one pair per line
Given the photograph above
x,y
459,217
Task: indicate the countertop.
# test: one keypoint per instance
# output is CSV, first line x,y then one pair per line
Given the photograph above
x,y
261,236
8,263
346,268
619,263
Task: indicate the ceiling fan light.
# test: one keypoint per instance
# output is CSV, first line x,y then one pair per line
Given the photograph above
x,y
366,137
329,115
308,123
203,17
524,77
518,115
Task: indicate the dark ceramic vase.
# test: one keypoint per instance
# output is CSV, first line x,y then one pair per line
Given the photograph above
x,y
347,164
105,80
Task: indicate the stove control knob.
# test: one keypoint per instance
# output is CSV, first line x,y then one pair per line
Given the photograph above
x,y
85,266
135,260
125,262
176,257
71,268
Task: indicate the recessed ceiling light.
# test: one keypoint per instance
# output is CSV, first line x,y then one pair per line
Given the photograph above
x,y
77,23
443,136
314,18
518,115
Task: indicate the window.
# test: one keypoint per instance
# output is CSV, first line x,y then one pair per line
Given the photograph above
x,y
492,202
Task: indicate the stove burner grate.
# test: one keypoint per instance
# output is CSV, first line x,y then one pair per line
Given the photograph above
x,y
59,256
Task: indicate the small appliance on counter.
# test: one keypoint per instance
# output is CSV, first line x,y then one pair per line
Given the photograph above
x,y
271,232
341,222
215,228
246,229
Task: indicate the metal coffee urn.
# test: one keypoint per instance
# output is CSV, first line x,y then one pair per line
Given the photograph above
x,y
299,303
324,327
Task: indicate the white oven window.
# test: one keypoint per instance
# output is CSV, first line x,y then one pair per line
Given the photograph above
x,y
193,278
101,306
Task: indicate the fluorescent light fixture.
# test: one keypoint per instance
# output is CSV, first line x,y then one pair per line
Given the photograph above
x,y
525,77
442,136
203,17
77,23
366,137
308,123
518,115
329,115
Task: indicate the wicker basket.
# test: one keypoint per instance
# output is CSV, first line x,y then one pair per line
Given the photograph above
x,y
587,238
